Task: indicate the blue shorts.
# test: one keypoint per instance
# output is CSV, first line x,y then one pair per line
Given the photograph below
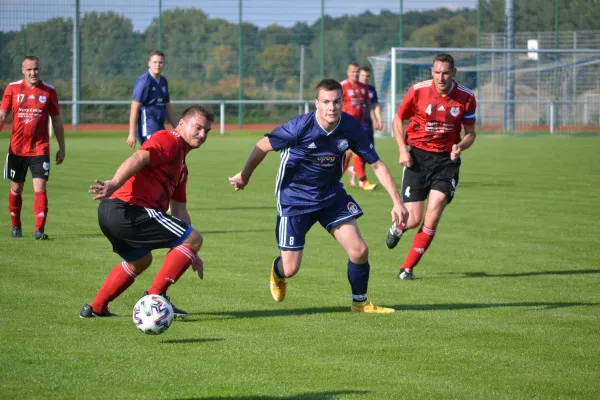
x,y
146,128
291,231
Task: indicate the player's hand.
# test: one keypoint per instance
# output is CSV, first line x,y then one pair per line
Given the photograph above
x,y
60,156
238,182
400,214
377,125
405,159
198,266
131,140
103,189
455,153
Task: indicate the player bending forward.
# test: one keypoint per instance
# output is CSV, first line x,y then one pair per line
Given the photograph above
x,y
309,190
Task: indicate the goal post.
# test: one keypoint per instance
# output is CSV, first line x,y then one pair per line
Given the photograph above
x,y
544,90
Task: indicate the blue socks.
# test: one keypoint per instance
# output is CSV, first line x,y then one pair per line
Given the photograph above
x,y
358,276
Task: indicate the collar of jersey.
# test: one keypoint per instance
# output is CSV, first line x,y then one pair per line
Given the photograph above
x,y
323,129
152,76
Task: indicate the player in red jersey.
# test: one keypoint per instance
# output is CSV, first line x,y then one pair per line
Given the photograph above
x,y
132,212
32,102
437,109
355,95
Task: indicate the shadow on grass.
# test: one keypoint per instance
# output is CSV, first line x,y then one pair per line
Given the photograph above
x,y
269,207
303,396
205,340
519,274
400,307
237,231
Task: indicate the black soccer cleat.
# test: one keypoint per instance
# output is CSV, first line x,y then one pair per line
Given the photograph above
x,y
177,312
393,236
16,232
88,312
39,235
406,274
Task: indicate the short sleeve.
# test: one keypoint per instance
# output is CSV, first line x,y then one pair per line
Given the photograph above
x,y
162,148
53,108
7,99
362,146
375,99
284,136
140,89
180,193
407,109
469,115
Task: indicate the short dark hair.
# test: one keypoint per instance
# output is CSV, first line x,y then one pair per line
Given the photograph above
x,y
445,58
31,58
366,69
328,85
353,64
199,109
157,53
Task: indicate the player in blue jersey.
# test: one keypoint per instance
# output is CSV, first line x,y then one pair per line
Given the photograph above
x,y
308,189
151,102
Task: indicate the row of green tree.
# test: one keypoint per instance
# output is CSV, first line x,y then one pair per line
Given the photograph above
x,y
202,52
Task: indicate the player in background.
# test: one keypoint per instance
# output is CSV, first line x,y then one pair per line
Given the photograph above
x,y
372,120
151,102
308,189
437,109
355,102
32,102
132,212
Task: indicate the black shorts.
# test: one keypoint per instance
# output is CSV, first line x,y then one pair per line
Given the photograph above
x,y
134,231
429,171
16,167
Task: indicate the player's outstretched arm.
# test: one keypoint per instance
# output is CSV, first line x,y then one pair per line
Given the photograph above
x,y
399,211
241,179
130,167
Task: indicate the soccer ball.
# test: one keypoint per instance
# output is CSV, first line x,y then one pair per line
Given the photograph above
x,y
153,314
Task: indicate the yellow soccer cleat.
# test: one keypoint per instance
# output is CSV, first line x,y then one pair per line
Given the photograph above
x,y
368,307
277,285
366,185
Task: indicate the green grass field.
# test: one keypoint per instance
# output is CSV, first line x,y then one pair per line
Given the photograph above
x,y
506,304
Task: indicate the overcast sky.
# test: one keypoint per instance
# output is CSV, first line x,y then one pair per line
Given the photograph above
x,y
15,13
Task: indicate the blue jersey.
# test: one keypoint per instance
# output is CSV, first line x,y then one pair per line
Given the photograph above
x,y
312,161
153,94
368,124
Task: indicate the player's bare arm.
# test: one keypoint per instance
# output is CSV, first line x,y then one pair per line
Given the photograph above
x,y
467,141
171,116
3,116
179,210
398,131
241,179
134,115
130,167
59,133
399,211
376,116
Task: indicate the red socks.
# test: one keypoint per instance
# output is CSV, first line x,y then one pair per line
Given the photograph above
x,y
15,202
359,167
40,209
119,279
176,263
421,243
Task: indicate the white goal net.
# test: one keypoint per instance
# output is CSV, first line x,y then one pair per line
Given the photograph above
x,y
546,90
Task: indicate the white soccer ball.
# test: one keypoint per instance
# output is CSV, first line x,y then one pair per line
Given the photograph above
x,y
153,314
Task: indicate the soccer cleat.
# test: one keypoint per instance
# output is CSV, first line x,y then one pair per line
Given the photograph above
x,y
88,312
393,236
277,285
406,274
16,232
352,174
177,312
39,235
368,307
366,185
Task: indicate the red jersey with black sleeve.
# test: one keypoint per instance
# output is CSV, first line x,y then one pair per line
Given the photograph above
x,y
31,108
435,120
354,98
164,179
